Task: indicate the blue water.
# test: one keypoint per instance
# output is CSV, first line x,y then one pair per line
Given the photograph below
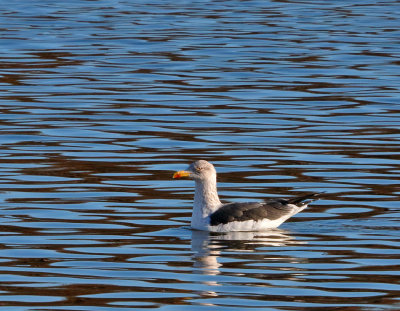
x,y
101,101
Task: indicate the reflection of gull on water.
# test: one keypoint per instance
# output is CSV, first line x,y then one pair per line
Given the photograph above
x,y
275,237
205,255
207,247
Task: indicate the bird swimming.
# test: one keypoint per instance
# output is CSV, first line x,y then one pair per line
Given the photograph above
x,y
209,214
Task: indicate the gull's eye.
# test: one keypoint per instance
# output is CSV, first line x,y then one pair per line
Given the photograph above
x,y
199,169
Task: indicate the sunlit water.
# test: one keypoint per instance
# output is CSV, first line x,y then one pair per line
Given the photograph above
x,y
101,101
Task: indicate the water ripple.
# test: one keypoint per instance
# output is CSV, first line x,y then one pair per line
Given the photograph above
x,y
101,101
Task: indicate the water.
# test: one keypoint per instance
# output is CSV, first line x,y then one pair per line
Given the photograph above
x,y
101,101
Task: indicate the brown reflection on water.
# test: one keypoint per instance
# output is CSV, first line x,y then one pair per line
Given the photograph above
x,y
101,103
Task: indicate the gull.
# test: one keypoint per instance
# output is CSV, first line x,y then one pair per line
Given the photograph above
x,y
209,214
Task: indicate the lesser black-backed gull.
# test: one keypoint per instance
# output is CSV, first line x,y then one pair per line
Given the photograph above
x,y
211,215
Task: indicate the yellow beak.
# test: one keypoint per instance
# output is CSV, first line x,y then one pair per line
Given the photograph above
x,y
181,174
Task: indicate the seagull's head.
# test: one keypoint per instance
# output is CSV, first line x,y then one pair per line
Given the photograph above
x,y
199,171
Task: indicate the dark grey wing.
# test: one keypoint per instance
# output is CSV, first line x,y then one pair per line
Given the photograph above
x,y
272,209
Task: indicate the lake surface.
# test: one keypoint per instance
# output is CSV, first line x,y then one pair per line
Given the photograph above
x,y
101,101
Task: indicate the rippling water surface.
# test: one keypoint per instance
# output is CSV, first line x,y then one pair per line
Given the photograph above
x,y
102,100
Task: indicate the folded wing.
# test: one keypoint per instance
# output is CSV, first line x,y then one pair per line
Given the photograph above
x,y
272,209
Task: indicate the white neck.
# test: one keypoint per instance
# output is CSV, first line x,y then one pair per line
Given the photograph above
x,y
206,201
